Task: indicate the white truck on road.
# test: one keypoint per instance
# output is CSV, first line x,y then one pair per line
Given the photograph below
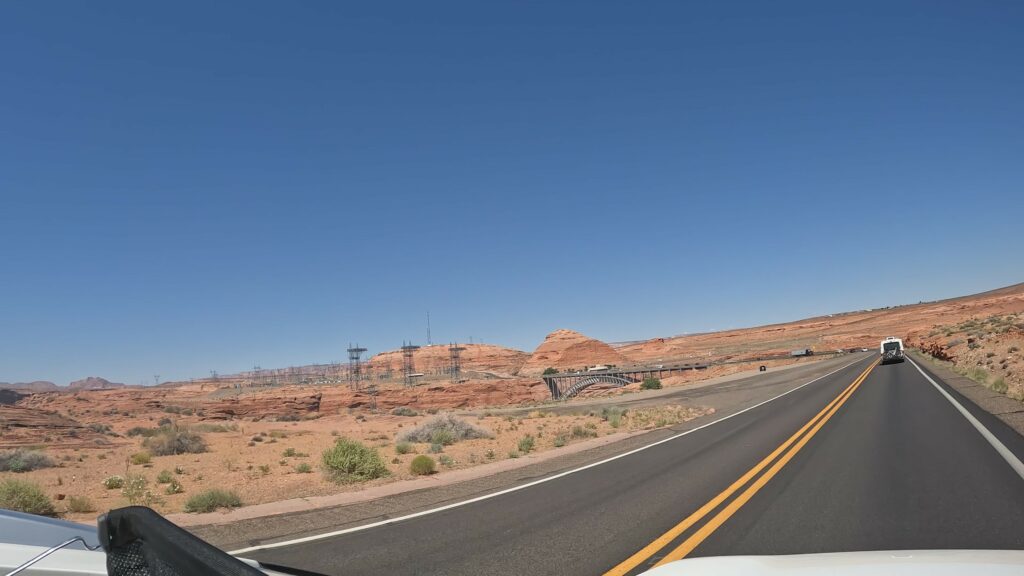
x,y
891,350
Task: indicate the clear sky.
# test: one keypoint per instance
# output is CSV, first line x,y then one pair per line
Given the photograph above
x,y
191,186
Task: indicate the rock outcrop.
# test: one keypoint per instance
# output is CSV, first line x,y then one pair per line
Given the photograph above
x,y
437,359
565,349
94,383
37,386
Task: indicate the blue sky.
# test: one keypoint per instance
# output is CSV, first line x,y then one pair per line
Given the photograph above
x,y
197,186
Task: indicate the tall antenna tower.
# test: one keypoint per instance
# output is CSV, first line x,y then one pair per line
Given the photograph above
x,y
454,352
355,368
408,367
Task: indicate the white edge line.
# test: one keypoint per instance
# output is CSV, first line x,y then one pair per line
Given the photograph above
x,y
528,484
1001,448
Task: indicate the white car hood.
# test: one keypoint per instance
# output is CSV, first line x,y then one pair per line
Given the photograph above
x,y
899,562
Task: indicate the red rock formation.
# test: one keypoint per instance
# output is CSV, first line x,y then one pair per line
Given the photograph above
x,y
436,358
20,426
564,349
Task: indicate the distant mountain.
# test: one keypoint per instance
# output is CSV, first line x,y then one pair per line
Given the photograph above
x,y
93,383
37,386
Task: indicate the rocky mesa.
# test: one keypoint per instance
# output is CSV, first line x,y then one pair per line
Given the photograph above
x,y
565,349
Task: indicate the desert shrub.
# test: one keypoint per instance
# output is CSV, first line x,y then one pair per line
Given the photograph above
x,y
442,436
350,461
304,468
257,439
453,429
80,505
513,454
27,497
175,440
217,428
526,444
278,434
22,460
549,371
142,431
404,411
113,482
403,448
977,374
164,477
140,458
422,465
613,415
999,385
436,448
174,487
581,432
559,441
101,428
136,490
446,460
288,418
211,500
651,384
489,454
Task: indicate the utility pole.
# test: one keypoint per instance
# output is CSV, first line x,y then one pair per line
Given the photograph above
x,y
428,329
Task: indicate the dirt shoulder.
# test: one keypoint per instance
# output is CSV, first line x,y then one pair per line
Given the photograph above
x,y
302,517
999,405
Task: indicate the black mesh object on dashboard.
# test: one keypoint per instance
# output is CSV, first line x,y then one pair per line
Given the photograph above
x,y
140,542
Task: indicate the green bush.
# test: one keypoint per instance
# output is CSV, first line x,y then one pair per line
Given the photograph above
x,y
526,444
140,458
403,448
174,487
164,477
175,440
28,497
212,500
446,460
999,385
651,384
113,482
141,431
422,465
350,461
436,448
80,505
559,441
613,415
304,468
549,371
581,432
452,429
22,460
136,490
442,436
404,411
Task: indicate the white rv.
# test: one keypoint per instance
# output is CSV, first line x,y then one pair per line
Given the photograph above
x,y
891,350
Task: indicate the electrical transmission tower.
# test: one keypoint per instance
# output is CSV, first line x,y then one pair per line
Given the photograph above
x,y
355,367
455,352
408,367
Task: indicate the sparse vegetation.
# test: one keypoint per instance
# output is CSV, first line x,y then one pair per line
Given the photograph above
x,y
22,460
304,468
212,500
403,448
999,385
136,490
436,448
549,371
613,415
651,384
140,458
446,460
80,505
173,487
113,482
404,411
175,440
24,496
215,428
350,461
526,444
581,432
422,465
444,429
164,477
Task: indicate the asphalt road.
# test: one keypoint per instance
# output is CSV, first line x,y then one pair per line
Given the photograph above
x,y
881,462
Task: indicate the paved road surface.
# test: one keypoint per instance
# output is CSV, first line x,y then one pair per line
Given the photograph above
x,y
884,461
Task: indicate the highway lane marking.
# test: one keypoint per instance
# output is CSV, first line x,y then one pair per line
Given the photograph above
x,y
379,523
706,530
647,551
1001,448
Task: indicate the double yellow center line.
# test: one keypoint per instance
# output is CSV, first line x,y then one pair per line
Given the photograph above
x,y
793,445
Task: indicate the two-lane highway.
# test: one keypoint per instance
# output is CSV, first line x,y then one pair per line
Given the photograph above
x,y
867,458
